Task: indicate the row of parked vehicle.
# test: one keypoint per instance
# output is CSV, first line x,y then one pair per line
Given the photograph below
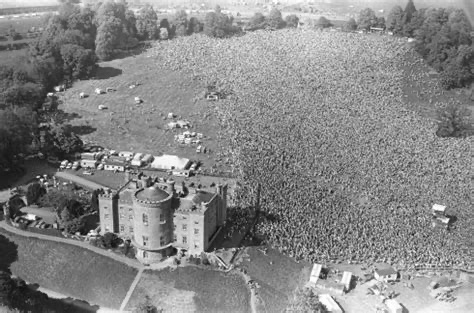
x,y
69,165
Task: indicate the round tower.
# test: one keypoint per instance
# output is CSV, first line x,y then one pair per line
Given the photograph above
x,y
153,224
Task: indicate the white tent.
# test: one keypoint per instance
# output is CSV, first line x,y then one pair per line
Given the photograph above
x,y
437,208
170,162
315,273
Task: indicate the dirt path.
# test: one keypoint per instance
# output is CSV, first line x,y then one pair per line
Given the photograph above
x,y
131,289
81,244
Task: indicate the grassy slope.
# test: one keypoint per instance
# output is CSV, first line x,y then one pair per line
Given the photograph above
x,y
278,280
71,270
193,289
125,126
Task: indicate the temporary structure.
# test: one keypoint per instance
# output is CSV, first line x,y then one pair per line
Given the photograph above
x,y
170,162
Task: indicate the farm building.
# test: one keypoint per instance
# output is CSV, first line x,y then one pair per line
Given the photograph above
x,y
386,274
331,305
393,306
114,166
88,156
87,163
170,162
144,210
137,160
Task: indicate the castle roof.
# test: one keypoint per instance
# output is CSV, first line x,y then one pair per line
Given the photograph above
x,y
152,194
202,196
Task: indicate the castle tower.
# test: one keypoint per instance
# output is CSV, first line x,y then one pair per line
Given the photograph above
x,y
153,224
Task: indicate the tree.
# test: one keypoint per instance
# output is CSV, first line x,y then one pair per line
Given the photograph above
x,y
194,26
74,225
292,20
453,121
34,192
77,62
381,22
274,19
218,25
257,21
367,19
305,300
95,201
409,11
6,288
323,22
416,22
62,140
181,23
395,20
350,25
110,240
147,24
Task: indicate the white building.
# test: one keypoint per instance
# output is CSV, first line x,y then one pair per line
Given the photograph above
x,y
330,304
170,162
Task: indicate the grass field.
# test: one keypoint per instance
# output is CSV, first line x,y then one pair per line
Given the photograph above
x,y
21,25
71,270
278,280
142,128
193,289
13,58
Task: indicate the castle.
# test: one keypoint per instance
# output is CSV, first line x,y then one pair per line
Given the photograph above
x,y
159,217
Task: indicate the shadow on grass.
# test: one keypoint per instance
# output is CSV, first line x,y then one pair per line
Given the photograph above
x,y
107,72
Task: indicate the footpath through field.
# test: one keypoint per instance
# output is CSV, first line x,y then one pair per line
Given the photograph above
x,y
81,244
79,180
131,289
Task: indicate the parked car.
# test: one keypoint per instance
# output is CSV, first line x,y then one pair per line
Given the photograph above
x,y
101,166
69,166
75,166
63,164
87,173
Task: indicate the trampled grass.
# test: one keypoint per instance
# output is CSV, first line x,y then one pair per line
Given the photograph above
x,y
71,270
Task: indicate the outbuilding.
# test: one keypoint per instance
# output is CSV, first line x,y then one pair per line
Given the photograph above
x,y
315,272
126,154
386,274
89,163
170,162
114,166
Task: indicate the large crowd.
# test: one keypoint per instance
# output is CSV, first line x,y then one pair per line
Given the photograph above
x,y
318,120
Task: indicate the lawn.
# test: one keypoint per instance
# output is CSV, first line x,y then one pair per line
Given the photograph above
x,y
21,25
12,57
142,128
278,280
72,271
190,289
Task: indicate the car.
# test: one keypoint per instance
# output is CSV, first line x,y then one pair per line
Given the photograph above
x,y
75,166
87,173
69,165
101,166
64,162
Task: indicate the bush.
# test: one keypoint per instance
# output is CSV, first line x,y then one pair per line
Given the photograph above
x,y
453,121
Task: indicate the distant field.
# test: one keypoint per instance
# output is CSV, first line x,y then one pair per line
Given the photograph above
x,y
192,289
21,25
142,128
71,270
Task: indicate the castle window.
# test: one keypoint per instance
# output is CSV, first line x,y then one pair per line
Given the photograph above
x,y
130,217
196,231
162,217
121,209
107,229
196,245
105,208
145,219
106,216
130,210
185,218
145,240
175,238
174,226
196,222
145,254
162,241
122,228
185,240
185,227
130,229
122,215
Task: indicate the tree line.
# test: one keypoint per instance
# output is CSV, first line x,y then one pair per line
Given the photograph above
x,y
443,38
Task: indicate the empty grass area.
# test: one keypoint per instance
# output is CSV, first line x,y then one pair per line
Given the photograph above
x,y
21,25
277,280
71,270
13,58
191,289
141,128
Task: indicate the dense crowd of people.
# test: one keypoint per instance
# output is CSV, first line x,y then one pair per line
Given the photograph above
x,y
318,120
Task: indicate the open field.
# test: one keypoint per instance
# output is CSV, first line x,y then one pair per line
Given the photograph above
x,y
12,58
142,128
192,289
72,271
21,25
